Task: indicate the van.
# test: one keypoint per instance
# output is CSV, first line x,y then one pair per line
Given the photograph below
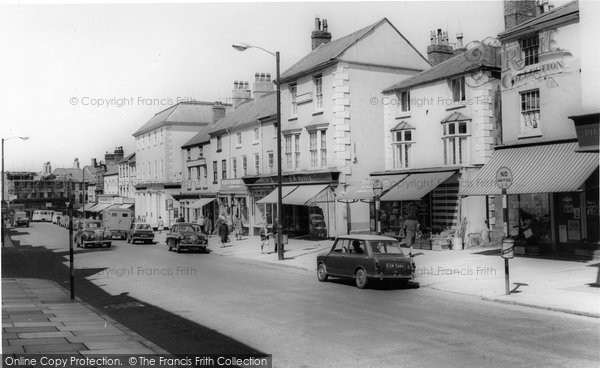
x,y
117,221
42,215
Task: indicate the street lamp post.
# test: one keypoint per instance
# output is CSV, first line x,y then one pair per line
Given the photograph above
x,y
2,196
377,190
71,256
279,223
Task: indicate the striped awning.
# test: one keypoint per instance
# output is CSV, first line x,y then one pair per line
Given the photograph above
x,y
547,168
99,207
272,197
201,202
416,186
303,194
364,191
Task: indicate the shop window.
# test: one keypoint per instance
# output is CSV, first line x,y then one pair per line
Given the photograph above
x,y
456,142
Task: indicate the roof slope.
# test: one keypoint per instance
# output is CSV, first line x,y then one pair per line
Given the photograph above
x,y
330,51
247,113
481,56
128,158
568,11
183,112
76,174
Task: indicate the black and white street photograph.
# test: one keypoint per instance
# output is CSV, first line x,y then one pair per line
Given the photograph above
x,y
300,184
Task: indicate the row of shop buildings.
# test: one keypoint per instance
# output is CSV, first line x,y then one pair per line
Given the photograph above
x,y
368,112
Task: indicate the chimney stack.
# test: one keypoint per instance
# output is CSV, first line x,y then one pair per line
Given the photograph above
x,y
47,168
459,44
76,163
240,94
544,6
118,154
262,84
218,110
439,50
94,164
320,34
519,11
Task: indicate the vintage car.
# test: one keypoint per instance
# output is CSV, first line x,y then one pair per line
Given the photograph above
x,y
365,257
91,232
141,231
184,235
20,219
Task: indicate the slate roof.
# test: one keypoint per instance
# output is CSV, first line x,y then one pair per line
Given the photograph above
x,y
327,52
128,158
567,12
76,174
478,57
246,113
194,112
112,170
455,116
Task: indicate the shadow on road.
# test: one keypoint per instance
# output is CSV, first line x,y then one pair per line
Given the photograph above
x,y
376,284
173,333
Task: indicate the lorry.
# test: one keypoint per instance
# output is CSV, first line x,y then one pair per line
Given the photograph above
x,y
117,221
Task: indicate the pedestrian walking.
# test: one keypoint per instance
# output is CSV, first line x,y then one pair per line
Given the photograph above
x,y
161,225
224,233
410,226
201,222
238,227
264,238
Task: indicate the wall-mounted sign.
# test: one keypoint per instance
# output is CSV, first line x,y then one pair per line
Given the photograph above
x,y
504,178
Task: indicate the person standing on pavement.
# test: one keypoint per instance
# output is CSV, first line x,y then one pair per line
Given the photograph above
x,y
264,237
161,225
410,226
238,227
201,222
224,233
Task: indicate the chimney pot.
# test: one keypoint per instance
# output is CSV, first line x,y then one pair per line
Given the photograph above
x,y
317,24
320,35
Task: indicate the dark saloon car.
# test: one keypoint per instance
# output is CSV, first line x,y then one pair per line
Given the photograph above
x,y
140,231
91,232
20,219
364,258
184,235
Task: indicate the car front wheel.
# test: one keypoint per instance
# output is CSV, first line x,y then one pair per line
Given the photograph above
x,y
361,279
322,272
170,243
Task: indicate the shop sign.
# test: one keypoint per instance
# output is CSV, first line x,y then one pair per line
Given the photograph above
x,y
232,185
504,177
586,128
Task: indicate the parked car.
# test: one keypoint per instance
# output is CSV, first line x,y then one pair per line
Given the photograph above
x,y
186,235
365,258
20,219
141,231
91,232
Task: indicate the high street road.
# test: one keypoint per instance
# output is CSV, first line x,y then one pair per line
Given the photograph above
x,y
286,312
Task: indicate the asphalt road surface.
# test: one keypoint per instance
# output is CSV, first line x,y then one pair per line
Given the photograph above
x,y
286,312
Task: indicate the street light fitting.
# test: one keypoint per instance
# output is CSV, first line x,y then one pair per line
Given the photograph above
x,y
243,46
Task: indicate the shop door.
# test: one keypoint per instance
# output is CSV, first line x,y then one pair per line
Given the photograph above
x,y
568,219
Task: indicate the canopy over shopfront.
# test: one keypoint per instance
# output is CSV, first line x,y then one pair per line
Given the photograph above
x,y
201,202
546,168
416,186
272,197
99,207
303,194
364,191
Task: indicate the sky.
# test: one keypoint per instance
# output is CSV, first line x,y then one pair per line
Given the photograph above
x,y
80,79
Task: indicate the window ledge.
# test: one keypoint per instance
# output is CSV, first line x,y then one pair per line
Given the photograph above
x,y
530,135
293,118
403,115
459,105
238,146
255,143
318,112
219,150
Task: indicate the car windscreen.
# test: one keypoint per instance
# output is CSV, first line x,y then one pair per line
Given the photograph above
x,y
189,229
143,226
386,247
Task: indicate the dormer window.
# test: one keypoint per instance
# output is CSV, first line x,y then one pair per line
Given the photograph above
x,y
530,49
458,89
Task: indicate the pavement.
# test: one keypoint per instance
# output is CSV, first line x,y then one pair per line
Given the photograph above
x,y
569,286
38,317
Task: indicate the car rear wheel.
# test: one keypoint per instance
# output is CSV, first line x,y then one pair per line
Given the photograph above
x,y
108,245
322,272
361,279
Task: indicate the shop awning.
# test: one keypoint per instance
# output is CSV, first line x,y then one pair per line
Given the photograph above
x,y
416,186
303,194
99,207
126,206
547,168
201,202
272,197
364,192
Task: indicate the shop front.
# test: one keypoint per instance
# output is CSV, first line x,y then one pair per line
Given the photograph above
x,y
232,203
553,201
309,208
